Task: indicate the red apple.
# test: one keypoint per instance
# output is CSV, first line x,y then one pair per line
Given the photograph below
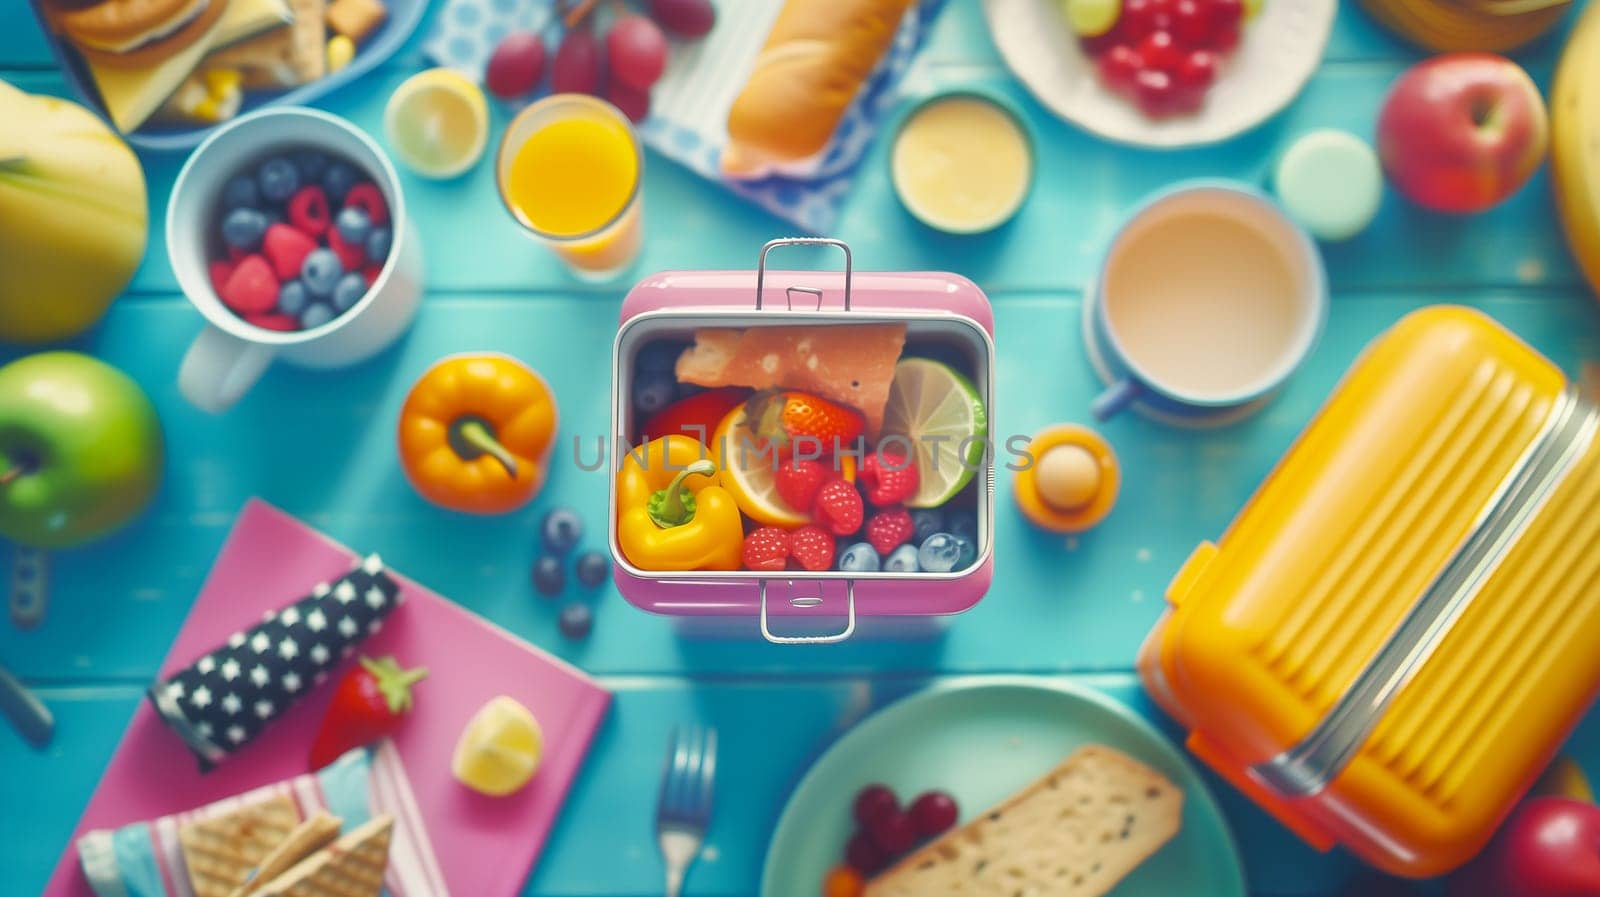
x,y
1549,847
1462,131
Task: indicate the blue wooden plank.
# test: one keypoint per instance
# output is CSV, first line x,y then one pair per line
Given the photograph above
x,y
321,446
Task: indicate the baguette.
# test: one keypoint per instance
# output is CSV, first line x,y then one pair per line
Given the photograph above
x,y
1076,832
813,64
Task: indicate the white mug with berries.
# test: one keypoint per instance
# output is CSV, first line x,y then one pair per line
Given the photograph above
x,y
288,231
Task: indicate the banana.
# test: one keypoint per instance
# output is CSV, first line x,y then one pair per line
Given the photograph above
x,y
1575,142
1451,25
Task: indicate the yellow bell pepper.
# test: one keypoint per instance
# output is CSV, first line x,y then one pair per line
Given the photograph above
x,y
671,515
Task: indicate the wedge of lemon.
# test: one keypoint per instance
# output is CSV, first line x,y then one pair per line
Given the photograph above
x,y
749,471
500,748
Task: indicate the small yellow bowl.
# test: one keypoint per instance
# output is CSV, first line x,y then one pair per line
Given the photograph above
x,y
1090,501
934,149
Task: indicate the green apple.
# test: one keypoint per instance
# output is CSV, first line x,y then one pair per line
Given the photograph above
x,y
81,451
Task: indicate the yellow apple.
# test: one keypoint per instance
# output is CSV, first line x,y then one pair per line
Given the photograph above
x,y
73,220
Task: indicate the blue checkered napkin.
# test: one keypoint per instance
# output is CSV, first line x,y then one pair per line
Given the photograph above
x,y
689,106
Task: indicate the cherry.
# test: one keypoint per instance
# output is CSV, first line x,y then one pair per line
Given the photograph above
x,y
894,834
1197,71
862,854
933,813
1156,92
1191,24
1160,51
873,803
1119,68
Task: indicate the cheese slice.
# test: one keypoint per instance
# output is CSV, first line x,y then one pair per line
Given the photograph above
x,y
131,96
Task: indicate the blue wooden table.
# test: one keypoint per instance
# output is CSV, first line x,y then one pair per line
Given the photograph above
x,y
1058,608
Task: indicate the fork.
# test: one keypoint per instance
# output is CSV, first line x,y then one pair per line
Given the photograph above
x,y
683,811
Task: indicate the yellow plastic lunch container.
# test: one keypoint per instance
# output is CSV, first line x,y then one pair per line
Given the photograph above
x,y
1397,632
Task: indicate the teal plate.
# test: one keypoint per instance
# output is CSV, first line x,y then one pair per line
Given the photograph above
x,y
981,742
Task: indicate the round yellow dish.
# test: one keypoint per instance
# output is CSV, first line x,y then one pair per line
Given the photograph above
x,y
1073,481
962,163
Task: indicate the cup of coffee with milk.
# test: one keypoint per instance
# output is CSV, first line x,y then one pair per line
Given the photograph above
x,y
1207,300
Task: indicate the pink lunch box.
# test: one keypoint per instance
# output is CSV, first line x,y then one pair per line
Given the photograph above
x,y
944,310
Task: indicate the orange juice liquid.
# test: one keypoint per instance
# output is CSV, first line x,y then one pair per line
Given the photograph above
x,y
574,180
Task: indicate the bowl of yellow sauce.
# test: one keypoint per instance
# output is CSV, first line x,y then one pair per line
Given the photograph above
x,y
962,162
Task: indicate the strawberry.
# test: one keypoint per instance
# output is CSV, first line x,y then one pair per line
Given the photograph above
x,y
798,482
368,703
838,507
696,416
890,529
766,548
888,476
786,418
812,546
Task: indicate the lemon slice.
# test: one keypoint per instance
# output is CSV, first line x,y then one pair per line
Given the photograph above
x,y
437,123
749,473
499,749
940,412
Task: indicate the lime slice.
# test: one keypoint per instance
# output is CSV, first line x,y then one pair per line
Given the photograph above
x,y
941,413
437,123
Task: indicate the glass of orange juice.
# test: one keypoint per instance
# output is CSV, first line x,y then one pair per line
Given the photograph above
x,y
569,171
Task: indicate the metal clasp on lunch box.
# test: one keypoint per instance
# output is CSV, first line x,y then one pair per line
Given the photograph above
x,y
802,602
813,292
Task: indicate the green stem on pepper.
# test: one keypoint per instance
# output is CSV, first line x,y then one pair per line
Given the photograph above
x,y
673,506
472,437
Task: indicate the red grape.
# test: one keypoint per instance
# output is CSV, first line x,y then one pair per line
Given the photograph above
x,y
685,18
1226,13
577,64
863,855
1160,51
872,802
1197,71
515,66
894,834
1156,92
933,813
635,104
636,51
1140,17
1191,24
1119,67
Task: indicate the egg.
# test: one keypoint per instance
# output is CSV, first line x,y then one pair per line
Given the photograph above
x,y
1068,477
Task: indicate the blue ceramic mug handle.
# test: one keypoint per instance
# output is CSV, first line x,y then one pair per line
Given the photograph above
x,y
1116,397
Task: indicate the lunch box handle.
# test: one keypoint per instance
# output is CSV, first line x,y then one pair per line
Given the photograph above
x,y
808,601
761,270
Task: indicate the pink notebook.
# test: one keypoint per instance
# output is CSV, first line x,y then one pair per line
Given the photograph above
x,y
485,846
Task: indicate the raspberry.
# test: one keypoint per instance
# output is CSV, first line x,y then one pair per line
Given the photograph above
x,y
798,482
888,530
838,507
888,477
812,546
766,548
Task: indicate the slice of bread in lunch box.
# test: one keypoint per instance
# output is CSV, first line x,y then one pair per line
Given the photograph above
x,y
1075,832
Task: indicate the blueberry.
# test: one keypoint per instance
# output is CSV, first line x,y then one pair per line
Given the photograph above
x,y
577,621
940,553
560,530
348,291
969,553
593,568
243,229
963,524
659,357
353,225
278,178
320,272
240,193
859,558
338,180
926,521
653,392
548,576
378,243
902,560
293,298
310,163
315,315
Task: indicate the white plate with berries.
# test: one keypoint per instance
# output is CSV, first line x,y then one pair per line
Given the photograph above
x,y
1162,73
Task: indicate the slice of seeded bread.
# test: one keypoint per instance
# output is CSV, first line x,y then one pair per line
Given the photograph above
x,y
1075,832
